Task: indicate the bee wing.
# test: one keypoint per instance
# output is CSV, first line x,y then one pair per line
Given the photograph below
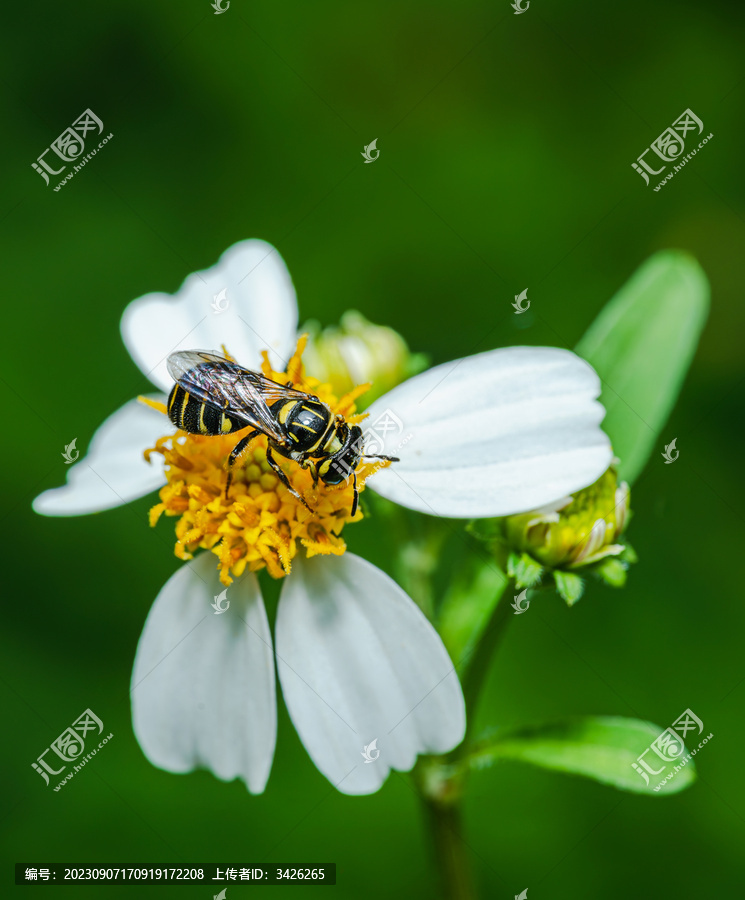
x,y
181,363
227,386
274,391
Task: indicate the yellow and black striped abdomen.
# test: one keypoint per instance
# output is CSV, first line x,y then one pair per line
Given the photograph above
x,y
189,414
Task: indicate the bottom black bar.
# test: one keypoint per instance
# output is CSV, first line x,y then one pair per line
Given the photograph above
x,y
222,876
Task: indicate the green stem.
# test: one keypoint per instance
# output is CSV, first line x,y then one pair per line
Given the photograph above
x,y
450,852
440,779
478,667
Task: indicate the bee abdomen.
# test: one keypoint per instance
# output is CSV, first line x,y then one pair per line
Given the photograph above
x,y
195,417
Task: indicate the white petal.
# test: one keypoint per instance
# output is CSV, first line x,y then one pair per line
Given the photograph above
x,y
203,689
490,435
261,313
358,661
114,471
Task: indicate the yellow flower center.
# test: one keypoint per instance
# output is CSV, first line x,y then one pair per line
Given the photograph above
x,y
260,523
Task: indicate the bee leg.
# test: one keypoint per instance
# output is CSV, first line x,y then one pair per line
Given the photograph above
x,y
312,468
234,454
283,478
314,473
376,456
356,500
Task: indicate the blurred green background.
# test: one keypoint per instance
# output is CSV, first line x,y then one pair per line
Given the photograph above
x,y
506,145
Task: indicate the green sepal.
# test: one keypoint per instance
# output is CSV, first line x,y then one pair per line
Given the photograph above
x,y
570,586
629,554
524,569
417,363
486,530
612,571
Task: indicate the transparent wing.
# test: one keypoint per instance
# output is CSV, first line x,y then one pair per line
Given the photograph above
x,y
273,391
225,385
181,363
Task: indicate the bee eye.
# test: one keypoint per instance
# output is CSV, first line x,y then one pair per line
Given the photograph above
x,y
340,469
335,474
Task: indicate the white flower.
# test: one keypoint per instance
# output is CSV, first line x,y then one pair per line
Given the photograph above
x,y
498,433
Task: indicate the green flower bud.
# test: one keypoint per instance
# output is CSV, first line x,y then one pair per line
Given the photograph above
x,y
581,533
576,531
357,352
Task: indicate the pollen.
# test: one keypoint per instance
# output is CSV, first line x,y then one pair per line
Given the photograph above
x,y
260,524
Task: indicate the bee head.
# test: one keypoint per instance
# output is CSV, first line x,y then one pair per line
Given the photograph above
x,y
341,466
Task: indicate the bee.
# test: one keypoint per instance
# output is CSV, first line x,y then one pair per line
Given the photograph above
x,y
213,396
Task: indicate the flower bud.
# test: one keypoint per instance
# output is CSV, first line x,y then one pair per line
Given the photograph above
x,y
575,531
358,352
576,534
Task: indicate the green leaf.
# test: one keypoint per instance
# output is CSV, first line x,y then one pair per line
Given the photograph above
x,y
468,605
524,569
570,586
641,345
599,747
